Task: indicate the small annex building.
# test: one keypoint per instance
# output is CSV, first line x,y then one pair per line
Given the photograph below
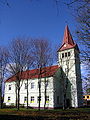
x,y
59,83
86,98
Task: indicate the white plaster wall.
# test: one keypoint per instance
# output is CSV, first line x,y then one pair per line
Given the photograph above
x,y
31,92
70,62
9,93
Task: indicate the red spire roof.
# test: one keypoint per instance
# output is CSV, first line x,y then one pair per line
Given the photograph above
x,y
67,40
31,74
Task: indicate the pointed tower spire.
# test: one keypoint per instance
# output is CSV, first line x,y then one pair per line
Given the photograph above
x,y
67,37
67,40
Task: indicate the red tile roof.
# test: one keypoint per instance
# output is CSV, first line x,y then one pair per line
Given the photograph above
x,y
31,74
67,40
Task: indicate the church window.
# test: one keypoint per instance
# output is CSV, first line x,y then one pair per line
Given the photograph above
x,y
39,98
68,53
32,85
47,99
46,83
25,85
65,54
25,99
62,55
9,87
9,98
32,99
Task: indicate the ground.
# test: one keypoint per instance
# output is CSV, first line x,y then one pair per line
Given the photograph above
x,y
31,114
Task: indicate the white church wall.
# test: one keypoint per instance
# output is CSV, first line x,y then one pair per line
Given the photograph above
x,y
9,95
69,67
32,92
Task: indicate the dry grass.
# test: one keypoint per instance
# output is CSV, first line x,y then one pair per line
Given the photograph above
x,y
31,114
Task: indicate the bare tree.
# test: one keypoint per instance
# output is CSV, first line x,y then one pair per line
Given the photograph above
x,y
4,3
19,61
81,10
83,33
3,63
42,56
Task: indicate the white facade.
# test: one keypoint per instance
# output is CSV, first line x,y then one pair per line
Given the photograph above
x,y
70,64
33,93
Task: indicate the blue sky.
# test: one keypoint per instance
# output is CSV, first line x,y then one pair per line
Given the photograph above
x,y
36,19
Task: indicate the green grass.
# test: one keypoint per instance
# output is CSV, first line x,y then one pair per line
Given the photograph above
x,y
52,110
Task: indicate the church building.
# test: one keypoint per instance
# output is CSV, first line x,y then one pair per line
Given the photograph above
x,y
61,84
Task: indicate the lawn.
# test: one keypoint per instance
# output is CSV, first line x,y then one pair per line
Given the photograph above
x,y
33,114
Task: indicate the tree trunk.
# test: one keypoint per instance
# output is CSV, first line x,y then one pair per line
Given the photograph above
x,y
1,98
18,98
64,102
39,93
45,94
27,93
1,102
45,102
39,78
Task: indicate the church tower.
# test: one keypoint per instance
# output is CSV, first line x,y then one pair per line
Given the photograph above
x,y
68,59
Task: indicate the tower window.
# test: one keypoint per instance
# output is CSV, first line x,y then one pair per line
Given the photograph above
x,y
9,98
65,54
9,87
65,70
62,55
87,96
68,53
